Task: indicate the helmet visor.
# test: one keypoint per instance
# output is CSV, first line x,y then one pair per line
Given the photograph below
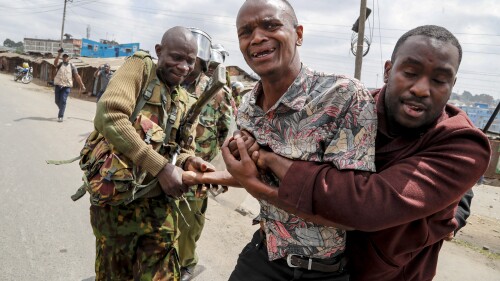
x,y
204,42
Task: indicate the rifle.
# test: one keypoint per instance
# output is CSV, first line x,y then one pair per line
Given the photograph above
x,y
215,84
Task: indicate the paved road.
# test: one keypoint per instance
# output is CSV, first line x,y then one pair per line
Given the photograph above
x,y
46,236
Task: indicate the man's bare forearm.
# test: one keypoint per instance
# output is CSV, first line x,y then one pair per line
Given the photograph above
x,y
56,60
220,178
80,82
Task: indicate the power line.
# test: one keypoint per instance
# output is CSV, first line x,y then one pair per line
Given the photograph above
x,y
234,19
459,33
226,40
34,12
27,7
338,60
174,13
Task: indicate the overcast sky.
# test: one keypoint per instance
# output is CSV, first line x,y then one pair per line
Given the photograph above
x,y
327,29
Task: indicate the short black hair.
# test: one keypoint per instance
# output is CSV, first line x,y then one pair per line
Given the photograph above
x,y
432,31
295,21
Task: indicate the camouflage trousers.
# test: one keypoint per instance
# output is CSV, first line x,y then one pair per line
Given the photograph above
x,y
190,234
137,241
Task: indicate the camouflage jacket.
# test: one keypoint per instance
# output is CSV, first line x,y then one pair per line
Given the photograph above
x,y
214,120
135,146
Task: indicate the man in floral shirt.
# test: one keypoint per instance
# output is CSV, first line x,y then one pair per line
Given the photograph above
x,y
300,114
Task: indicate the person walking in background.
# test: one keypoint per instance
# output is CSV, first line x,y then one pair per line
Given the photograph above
x,y
63,82
236,89
104,73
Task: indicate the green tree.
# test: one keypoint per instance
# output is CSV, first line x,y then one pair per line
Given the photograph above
x,y
484,98
19,46
9,43
466,96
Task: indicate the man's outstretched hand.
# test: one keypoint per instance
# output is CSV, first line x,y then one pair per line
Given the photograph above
x,y
196,164
194,168
171,177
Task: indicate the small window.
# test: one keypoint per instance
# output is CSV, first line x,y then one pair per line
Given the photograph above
x,y
89,47
128,50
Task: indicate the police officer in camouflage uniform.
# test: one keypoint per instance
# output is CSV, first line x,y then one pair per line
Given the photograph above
x,y
215,118
138,240
212,130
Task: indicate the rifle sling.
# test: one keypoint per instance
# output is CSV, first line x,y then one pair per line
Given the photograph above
x,y
169,121
144,97
139,189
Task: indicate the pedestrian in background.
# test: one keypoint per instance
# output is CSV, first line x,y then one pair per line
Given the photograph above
x,y
104,73
63,82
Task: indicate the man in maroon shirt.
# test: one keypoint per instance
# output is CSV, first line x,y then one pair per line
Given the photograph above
x,y
428,154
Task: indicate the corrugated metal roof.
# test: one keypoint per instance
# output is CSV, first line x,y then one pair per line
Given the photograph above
x,y
114,63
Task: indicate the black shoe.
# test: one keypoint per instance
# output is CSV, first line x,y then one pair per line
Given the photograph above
x,y
187,273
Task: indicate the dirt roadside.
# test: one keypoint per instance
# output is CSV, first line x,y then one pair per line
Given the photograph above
x,y
483,226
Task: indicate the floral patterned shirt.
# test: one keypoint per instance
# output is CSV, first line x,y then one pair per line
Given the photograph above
x,y
322,118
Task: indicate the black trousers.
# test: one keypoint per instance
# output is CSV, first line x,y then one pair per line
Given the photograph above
x,y
254,265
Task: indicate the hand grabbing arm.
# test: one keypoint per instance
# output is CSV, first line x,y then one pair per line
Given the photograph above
x,y
245,171
196,164
198,171
250,143
170,179
247,174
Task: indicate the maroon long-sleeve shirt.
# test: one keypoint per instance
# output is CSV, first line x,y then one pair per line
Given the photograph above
x,y
402,212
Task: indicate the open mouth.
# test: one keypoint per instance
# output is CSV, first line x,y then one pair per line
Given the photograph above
x,y
263,53
413,109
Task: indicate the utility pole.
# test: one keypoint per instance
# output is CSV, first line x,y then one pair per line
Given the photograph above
x,y
64,17
361,40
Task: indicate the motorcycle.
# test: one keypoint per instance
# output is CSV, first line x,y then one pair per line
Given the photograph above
x,y
25,74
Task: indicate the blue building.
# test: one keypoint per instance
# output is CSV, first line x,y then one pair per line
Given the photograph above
x,y
104,49
480,113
